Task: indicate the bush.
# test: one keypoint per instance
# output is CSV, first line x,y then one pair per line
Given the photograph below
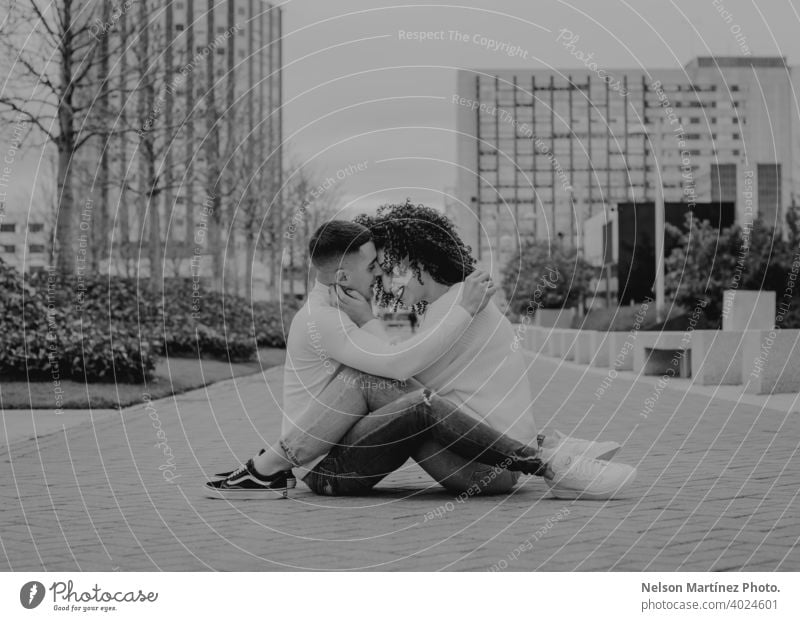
x,y
112,329
706,262
544,276
43,336
215,318
114,355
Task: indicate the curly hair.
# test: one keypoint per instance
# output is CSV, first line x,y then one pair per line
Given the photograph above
x,y
423,236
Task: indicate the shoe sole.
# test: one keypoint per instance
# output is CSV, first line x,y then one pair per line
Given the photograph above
x,y
570,494
247,494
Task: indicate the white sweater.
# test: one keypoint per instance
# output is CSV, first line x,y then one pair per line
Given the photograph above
x,y
322,339
483,372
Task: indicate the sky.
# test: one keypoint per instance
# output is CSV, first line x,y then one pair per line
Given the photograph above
x,y
359,89
369,108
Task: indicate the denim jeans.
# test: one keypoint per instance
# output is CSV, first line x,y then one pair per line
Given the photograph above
x,y
369,426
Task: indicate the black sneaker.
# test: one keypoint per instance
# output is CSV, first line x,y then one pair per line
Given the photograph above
x,y
246,483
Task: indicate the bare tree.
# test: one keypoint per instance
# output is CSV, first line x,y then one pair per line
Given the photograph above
x,y
57,77
158,119
311,198
254,196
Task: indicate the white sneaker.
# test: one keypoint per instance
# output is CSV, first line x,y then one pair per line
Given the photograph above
x,y
572,476
584,448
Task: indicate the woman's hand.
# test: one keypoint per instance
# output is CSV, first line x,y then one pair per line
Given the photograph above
x,y
478,290
351,303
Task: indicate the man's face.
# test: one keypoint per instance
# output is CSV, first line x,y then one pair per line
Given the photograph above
x,y
359,270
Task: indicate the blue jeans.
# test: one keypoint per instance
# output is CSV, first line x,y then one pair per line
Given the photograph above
x,y
369,426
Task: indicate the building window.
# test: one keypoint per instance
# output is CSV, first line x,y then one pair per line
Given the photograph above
x,y
179,27
220,29
36,227
736,136
36,248
723,182
735,152
8,228
736,120
769,191
9,249
220,51
734,87
694,120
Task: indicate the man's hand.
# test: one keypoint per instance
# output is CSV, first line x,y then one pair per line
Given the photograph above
x,y
478,290
351,303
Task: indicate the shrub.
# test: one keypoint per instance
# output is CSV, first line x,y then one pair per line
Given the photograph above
x,y
112,329
540,275
706,262
44,336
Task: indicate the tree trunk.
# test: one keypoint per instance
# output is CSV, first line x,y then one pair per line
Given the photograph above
x,y
123,208
248,268
100,233
155,253
65,237
212,159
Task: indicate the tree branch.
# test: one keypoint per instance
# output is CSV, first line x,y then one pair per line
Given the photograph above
x,y
10,103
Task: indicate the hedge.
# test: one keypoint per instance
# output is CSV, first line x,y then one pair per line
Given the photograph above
x,y
113,329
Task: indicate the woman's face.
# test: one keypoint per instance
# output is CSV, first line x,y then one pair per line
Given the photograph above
x,y
400,281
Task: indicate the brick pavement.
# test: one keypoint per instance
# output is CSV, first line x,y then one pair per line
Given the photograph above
x,y
717,490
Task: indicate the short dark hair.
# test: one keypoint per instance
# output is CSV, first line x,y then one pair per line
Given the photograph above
x,y
335,239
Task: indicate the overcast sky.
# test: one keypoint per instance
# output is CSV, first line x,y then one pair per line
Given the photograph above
x,y
357,95
356,92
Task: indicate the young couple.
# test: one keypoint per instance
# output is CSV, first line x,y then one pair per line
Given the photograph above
x,y
455,397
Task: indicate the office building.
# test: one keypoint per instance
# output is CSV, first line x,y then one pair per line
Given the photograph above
x,y
543,151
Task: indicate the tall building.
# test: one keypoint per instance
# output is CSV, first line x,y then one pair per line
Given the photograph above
x,y
210,103
540,152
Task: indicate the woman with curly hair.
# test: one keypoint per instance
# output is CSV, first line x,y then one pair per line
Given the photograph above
x,y
466,417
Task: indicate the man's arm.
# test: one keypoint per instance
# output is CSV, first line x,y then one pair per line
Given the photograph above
x,y
356,347
376,328
363,350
